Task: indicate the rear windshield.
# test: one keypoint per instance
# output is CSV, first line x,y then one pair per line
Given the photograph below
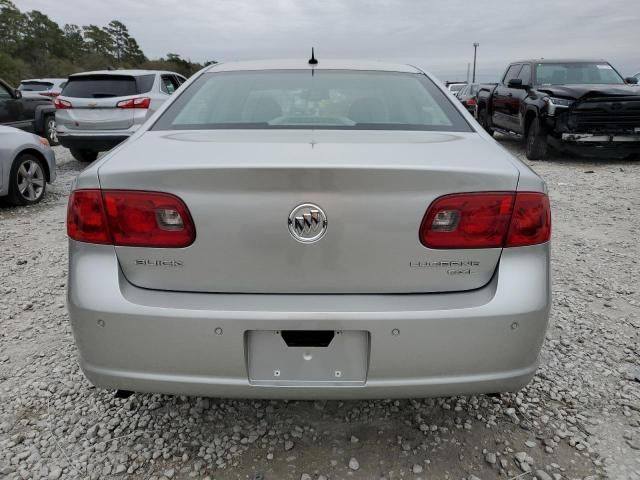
x,y
577,73
34,86
107,86
305,99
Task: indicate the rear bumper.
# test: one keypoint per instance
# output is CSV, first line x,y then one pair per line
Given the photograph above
x,y
98,142
486,340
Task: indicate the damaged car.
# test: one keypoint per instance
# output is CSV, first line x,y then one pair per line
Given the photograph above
x,y
577,106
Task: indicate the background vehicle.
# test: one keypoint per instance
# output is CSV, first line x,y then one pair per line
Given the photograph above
x,y
455,87
98,110
27,164
637,75
48,87
467,97
33,114
322,225
580,105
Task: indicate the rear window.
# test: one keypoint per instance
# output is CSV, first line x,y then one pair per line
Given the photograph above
x,y
34,86
106,86
305,99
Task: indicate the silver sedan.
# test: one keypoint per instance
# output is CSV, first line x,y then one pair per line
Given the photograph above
x,y
27,164
309,230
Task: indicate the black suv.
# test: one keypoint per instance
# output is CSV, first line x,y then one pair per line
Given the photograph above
x,y
573,105
33,113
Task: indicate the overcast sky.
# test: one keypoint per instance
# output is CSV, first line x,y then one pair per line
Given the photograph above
x,y
436,35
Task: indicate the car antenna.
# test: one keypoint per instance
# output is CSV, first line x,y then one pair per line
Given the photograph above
x,y
312,60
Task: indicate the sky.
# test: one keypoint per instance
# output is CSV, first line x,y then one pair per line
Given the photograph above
x,y
435,35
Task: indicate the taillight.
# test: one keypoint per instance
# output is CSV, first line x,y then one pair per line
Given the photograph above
x,y
530,220
61,104
472,102
487,220
129,218
142,102
86,220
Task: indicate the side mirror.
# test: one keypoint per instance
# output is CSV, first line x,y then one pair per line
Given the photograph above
x,y
516,83
17,93
631,80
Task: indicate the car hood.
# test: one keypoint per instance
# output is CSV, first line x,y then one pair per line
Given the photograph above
x,y
578,92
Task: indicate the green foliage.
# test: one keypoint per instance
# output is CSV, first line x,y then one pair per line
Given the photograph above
x,y
34,46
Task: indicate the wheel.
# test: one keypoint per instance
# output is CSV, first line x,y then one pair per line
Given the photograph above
x,y
483,119
50,132
27,181
85,156
536,147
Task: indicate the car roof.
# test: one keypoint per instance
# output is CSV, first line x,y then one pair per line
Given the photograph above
x,y
49,80
323,64
134,73
561,60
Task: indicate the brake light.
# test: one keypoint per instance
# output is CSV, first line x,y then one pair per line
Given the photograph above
x,y
487,220
61,104
142,102
86,221
530,220
472,102
129,218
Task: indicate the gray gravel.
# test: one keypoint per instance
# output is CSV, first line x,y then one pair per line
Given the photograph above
x,y
578,419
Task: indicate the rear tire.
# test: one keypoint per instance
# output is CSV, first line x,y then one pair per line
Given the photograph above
x,y
84,156
50,132
27,180
536,141
483,119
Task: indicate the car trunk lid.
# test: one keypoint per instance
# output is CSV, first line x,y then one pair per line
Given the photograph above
x,y
374,187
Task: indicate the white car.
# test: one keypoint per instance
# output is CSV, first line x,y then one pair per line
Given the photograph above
x,y
48,87
27,164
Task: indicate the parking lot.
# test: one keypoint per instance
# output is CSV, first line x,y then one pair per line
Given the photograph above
x,y
578,419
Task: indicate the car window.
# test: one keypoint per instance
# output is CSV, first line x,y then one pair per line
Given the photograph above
x,y
181,79
474,89
577,72
100,86
336,99
145,82
525,74
169,84
512,73
4,93
34,86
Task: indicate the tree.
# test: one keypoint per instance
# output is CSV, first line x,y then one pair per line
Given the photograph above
x,y
98,41
119,38
74,42
133,54
33,45
11,25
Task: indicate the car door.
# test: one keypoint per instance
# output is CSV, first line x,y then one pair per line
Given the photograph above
x,y
503,99
516,100
10,109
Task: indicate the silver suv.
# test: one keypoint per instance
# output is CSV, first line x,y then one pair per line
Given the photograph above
x,y
98,110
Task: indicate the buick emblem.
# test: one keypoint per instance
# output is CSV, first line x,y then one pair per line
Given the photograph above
x,y
307,223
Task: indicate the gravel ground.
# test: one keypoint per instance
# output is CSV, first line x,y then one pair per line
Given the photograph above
x,y
578,419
